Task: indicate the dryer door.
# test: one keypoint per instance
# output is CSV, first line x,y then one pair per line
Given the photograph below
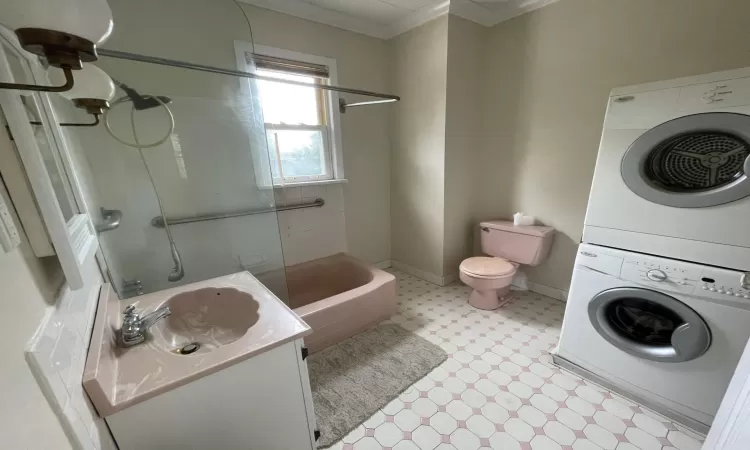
x,y
691,162
649,324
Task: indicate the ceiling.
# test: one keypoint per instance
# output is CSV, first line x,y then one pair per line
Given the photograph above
x,y
387,18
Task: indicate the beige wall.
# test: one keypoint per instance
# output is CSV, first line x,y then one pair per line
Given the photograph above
x,y
418,62
466,42
548,76
29,286
362,63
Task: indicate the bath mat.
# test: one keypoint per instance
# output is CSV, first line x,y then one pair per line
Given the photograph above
x,y
353,379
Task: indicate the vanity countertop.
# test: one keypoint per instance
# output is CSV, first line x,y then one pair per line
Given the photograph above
x,y
116,378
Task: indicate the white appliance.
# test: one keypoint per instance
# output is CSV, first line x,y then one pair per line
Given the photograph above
x,y
666,333
671,177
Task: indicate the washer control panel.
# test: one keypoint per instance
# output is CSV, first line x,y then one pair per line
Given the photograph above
x,y
724,283
667,275
662,274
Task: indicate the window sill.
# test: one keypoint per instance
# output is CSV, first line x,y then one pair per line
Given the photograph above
x,y
307,183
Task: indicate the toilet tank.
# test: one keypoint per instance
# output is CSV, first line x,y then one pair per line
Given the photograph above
x,y
522,244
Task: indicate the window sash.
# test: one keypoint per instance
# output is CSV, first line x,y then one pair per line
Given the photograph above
x,y
327,156
321,100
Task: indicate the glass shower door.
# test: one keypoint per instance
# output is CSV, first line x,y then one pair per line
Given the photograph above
x,y
203,177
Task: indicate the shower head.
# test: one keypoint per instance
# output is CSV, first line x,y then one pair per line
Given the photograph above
x,y
141,102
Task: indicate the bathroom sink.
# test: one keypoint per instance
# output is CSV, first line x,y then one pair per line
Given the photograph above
x,y
205,319
232,318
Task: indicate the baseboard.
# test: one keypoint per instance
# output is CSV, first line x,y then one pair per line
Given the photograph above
x,y
448,279
383,264
445,280
423,274
557,294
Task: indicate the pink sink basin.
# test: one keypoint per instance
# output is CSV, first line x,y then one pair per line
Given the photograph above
x,y
206,318
232,318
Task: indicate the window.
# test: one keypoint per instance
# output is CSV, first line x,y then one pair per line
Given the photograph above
x,y
301,125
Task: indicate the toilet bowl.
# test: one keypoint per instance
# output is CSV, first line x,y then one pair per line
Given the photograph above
x,y
490,278
509,246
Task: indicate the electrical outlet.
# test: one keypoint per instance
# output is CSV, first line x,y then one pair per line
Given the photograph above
x,y
9,237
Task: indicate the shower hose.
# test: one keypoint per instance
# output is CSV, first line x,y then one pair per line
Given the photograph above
x,y
178,271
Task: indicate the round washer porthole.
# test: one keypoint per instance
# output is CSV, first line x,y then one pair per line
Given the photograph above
x,y
694,161
649,324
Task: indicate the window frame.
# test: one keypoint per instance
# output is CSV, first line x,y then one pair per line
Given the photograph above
x,y
332,139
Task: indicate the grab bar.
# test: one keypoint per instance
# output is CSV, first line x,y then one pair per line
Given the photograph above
x,y
158,222
112,218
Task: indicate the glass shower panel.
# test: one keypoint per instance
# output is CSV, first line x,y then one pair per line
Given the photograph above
x,y
178,144
202,168
75,139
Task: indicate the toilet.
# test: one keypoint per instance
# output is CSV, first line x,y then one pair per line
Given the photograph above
x,y
508,246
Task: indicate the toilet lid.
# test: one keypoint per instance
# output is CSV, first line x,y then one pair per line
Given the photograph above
x,y
485,267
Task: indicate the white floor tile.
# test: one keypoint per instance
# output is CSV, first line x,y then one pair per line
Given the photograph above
x,y
498,389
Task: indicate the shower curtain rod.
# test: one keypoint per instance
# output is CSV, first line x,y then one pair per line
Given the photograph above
x,y
238,73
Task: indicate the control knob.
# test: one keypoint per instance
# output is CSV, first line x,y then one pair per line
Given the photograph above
x,y
656,275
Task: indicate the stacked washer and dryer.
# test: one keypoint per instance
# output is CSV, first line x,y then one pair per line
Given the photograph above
x,y
659,306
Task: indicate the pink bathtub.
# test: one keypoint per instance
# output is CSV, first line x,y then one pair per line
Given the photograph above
x,y
339,296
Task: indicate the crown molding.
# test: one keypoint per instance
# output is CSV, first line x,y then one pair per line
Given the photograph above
x,y
326,16
419,17
462,8
476,13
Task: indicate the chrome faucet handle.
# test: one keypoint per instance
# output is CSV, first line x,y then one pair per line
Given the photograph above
x,y
134,327
129,314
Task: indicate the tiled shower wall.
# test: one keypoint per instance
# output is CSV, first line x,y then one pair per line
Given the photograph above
x,y
312,233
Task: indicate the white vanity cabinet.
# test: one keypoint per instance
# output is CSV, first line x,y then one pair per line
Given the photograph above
x,y
262,403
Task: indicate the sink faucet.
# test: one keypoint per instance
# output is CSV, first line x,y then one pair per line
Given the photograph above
x,y
134,327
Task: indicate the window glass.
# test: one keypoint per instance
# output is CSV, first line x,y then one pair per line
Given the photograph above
x,y
302,153
288,104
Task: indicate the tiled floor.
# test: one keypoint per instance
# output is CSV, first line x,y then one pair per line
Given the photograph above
x,y
499,389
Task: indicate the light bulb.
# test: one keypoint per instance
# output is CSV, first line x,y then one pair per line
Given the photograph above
x,y
90,82
88,19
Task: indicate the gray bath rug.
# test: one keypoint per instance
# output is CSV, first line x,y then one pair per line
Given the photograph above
x,y
353,379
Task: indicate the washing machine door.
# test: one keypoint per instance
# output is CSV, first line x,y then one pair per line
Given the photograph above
x,y
649,324
694,161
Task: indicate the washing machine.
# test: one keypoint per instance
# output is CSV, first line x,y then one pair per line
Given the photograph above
x,y
666,333
671,176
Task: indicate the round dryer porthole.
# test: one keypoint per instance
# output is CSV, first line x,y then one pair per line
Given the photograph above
x,y
695,161
649,324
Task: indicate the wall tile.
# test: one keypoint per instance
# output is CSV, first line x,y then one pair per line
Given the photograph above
x,y
312,233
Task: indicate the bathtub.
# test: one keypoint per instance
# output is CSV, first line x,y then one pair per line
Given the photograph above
x,y
339,296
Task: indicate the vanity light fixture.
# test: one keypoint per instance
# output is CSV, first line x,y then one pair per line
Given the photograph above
x,y
92,92
66,34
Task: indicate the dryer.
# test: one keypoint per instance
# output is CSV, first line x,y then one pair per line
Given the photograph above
x,y
666,333
671,177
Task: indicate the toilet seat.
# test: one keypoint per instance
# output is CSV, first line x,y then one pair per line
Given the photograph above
x,y
487,268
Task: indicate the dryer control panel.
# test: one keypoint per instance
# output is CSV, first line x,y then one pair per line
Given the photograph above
x,y
665,274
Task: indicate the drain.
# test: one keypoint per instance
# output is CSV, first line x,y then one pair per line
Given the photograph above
x,y
188,349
